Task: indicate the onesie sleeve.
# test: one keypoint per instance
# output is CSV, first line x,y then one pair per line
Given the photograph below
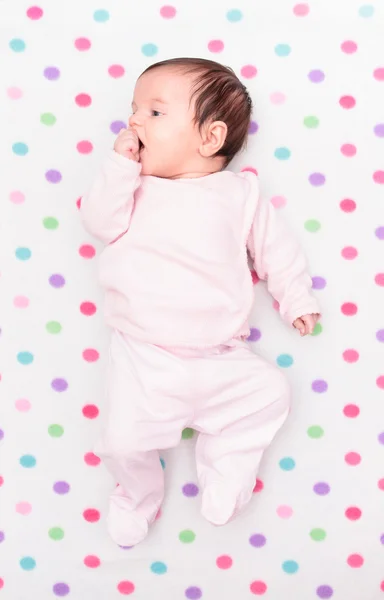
x,y
107,207
279,260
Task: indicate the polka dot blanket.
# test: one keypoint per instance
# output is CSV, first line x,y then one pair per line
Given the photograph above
x,y
315,526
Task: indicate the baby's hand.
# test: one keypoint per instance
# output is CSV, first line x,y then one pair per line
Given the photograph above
x,y
127,144
306,323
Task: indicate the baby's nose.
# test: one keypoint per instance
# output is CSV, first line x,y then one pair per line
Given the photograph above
x,y
134,120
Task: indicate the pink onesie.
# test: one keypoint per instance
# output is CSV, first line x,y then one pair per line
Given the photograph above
x,y
178,297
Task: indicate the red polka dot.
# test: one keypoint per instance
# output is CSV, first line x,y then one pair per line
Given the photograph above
x,y
349,252
84,147
353,513
215,46
378,177
351,411
349,309
87,251
352,458
83,100
168,12
258,588
224,562
347,102
35,13
116,71
92,515
355,560
379,279
90,411
78,203
348,150
379,74
248,71
348,205
349,47
380,382
350,356
126,587
91,355
82,44
255,278
92,561
1,583
259,486
87,308
91,459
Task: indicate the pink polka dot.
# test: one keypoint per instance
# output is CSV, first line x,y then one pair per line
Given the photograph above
x,y
275,305
126,587
23,508
158,514
88,308
352,458
379,279
378,177
349,252
258,588
348,150
78,203
92,561
355,561
351,356
349,309
168,12
91,515
379,74
224,562
255,278
380,382
84,147
353,513
250,169
83,100
116,71
34,13
23,405
14,93
284,512
277,98
1,480
380,484
87,251
347,102
349,47
301,10
82,44
17,197
259,486
351,411
90,411
348,205
215,46
382,586
279,201
248,71
91,459
21,301
91,355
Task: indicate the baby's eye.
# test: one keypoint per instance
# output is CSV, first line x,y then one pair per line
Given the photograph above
x,y
156,113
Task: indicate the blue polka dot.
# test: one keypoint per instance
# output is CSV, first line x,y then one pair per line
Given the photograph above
x,y
287,464
28,461
162,462
20,148
282,153
17,45
25,358
27,563
366,11
23,253
149,49
284,360
101,16
234,15
283,50
290,566
159,568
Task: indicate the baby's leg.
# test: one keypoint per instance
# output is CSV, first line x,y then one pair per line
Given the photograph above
x,y
144,415
238,422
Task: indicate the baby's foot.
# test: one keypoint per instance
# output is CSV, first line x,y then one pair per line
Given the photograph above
x,y
221,504
126,527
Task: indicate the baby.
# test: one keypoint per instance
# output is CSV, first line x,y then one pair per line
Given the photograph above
x,y
177,227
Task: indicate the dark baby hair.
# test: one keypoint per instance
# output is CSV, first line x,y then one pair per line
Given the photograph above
x,y
219,96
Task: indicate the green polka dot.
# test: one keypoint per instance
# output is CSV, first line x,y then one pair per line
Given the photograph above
x,y
311,122
187,536
50,223
55,430
315,432
317,329
56,533
53,327
318,535
47,119
312,225
188,433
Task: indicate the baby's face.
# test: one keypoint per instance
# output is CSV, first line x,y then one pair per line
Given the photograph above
x,y
163,119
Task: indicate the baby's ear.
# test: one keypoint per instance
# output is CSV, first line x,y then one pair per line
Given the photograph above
x,y
213,138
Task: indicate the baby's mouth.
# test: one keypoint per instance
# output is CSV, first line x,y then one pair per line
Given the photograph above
x,y
141,146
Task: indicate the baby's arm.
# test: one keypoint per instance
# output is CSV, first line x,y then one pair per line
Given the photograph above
x,y
279,260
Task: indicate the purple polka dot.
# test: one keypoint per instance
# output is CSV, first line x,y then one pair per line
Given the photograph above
x,y
318,283
324,591
381,437
1,434
253,127
380,335
116,126
59,385
61,589
125,547
193,593
382,538
258,540
255,335
2,536
321,488
316,76
61,487
190,490
320,386
51,73
56,280
380,233
53,176
379,130
317,179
